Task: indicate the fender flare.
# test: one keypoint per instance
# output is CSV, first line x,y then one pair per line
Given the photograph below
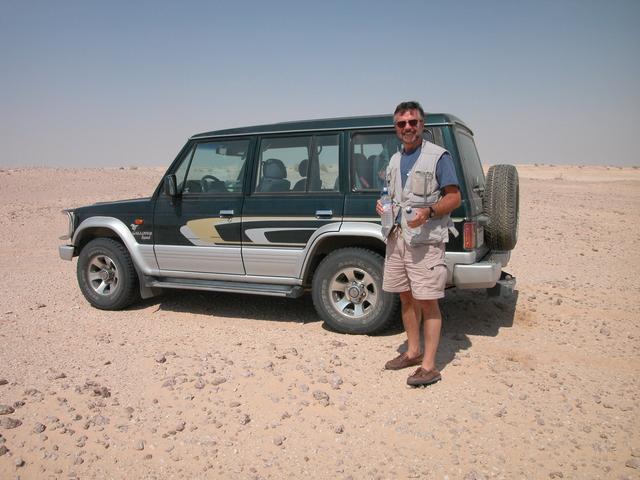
x,y
347,229
143,256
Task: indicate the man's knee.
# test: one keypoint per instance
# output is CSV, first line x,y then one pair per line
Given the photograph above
x,y
406,297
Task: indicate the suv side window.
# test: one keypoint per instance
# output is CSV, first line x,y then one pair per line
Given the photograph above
x,y
369,156
216,167
307,163
472,168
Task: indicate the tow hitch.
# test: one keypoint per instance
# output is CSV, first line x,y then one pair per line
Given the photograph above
x,y
503,287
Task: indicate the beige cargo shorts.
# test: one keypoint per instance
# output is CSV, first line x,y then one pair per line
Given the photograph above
x,y
420,269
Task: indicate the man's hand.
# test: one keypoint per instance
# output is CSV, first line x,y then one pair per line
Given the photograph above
x,y
421,216
379,209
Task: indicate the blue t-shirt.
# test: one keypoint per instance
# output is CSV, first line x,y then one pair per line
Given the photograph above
x,y
445,171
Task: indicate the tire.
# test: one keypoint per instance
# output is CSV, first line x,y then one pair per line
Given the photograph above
x,y
347,292
502,204
106,275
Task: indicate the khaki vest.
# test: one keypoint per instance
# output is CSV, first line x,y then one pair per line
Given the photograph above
x,y
421,190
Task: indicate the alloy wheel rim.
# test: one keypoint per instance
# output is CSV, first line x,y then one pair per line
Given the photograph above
x,y
353,292
103,275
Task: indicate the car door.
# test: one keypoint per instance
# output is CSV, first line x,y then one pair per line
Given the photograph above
x,y
199,230
295,198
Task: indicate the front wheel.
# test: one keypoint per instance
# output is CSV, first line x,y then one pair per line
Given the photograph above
x,y
106,274
347,292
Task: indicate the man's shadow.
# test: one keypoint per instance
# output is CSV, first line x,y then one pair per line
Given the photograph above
x,y
468,312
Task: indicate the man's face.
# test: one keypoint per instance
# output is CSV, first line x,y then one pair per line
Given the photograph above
x,y
410,135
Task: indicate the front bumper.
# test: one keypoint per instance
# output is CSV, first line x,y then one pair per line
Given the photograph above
x,y
66,251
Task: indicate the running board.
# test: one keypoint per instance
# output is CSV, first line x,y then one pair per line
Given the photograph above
x,y
289,291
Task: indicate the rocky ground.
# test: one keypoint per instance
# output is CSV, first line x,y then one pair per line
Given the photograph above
x,y
541,384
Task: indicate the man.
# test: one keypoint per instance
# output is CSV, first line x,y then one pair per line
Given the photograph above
x,y
423,177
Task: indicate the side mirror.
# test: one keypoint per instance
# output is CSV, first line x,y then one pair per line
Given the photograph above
x,y
170,186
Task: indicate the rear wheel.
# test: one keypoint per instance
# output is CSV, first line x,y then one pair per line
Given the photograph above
x,y
347,292
106,275
501,204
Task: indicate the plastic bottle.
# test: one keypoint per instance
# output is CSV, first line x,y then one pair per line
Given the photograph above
x,y
387,213
410,214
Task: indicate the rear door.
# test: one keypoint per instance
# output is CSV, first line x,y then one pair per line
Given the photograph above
x,y
200,229
295,199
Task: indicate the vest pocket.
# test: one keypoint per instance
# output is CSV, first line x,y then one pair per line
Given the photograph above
x,y
420,181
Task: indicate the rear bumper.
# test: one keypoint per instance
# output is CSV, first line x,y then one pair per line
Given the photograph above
x,y
66,251
484,274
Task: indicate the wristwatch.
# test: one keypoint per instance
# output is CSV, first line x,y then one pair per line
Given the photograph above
x,y
432,212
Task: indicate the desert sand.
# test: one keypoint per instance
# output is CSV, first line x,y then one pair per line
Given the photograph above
x,y
540,384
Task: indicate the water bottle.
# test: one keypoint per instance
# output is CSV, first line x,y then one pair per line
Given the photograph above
x,y
387,211
409,215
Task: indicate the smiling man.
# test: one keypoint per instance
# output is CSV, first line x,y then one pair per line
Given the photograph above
x,y
421,176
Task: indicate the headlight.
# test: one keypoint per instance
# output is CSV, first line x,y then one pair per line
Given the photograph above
x,y
70,229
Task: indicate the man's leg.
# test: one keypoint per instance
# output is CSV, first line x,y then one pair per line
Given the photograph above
x,y
432,325
411,323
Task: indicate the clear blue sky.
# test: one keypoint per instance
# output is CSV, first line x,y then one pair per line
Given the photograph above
x,y
120,83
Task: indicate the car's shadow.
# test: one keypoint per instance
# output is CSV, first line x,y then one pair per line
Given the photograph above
x,y
234,305
464,312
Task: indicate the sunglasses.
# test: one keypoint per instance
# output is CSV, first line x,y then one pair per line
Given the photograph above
x,y
403,123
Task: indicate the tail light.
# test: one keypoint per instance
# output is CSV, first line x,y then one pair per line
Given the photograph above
x,y
469,235
472,235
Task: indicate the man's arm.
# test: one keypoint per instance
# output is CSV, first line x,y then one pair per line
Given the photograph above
x,y
449,201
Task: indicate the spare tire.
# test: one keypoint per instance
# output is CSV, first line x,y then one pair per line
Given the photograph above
x,y
501,203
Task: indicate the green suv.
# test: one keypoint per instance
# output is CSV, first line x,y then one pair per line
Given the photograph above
x,y
285,208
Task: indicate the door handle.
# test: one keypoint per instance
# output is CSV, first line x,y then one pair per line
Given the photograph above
x,y
226,213
324,213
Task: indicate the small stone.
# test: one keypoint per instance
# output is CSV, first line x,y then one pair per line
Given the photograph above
x,y
335,382
321,397
102,392
473,475
139,445
78,460
180,426
279,440
244,419
633,463
502,412
339,428
218,380
19,462
3,450
234,404
160,358
39,428
605,331
6,409
556,475
9,423
199,384
3,381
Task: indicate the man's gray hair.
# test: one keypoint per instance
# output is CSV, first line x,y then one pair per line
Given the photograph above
x,y
404,106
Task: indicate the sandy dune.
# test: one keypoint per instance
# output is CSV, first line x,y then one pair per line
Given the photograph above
x,y
542,384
